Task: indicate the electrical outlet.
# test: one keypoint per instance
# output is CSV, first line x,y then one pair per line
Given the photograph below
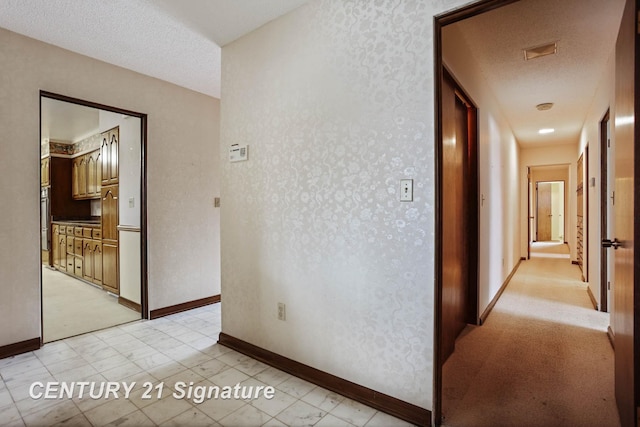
x,y
282,311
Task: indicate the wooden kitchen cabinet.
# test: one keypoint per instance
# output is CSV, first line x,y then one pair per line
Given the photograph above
x,y
86,176
92,261
109,231
62,251
94,174
109,147
45,165
55,249
79,177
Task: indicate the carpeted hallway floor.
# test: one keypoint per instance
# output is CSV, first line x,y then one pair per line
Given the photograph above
x,y
541,359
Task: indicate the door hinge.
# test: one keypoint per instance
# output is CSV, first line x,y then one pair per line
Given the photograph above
x,y
608,143
608,286
613,197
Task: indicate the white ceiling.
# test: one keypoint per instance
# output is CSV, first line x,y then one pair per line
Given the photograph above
x,y
173,40
66,122
585,30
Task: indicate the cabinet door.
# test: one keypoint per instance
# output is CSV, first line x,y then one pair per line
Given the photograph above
x,y
55,249
78,264
87,264
71,241
110,267
114,138
94,174
75,178
44,171
82,177
97,261
105,158
62,252
109,216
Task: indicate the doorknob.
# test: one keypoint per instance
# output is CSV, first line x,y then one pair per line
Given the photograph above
x,y
615,243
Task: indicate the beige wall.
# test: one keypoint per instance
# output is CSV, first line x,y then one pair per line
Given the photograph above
x,y
336,103
498,158
182,152
604,99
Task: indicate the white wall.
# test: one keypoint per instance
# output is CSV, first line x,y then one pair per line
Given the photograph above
x,y
562,154
182,175
604,99
336,103
498,169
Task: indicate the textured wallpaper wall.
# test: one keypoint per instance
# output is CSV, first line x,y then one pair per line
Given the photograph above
x,y
336,103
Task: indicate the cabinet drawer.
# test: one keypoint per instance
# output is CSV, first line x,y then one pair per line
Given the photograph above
x,y
77,231
97,233
69,230
70,263
86,232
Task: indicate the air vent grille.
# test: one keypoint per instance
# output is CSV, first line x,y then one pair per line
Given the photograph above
x,y
539,51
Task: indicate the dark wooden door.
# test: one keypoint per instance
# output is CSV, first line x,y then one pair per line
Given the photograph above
x,y
624,313
455,243
544,211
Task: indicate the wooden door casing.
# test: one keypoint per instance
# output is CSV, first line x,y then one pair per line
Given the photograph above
x,y
456,245
624,314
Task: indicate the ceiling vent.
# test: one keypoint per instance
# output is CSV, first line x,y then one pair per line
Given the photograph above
x,y
538,51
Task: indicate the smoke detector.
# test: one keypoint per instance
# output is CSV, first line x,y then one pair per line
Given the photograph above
x,y
544,106
539,51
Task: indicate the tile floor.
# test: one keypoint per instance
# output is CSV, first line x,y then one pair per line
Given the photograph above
x,y
181,347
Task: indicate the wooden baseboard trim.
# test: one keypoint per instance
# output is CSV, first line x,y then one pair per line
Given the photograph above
x,y
173,309
487,311
19,347
130,304
611,336
592,298
382,402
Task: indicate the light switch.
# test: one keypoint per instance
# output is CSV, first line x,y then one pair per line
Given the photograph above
x,y
406,190
132,202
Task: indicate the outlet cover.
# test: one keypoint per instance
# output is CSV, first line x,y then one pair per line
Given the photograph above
x,y
282,311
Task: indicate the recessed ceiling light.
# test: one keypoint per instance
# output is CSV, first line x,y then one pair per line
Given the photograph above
x,y
538,51
546,130
544,106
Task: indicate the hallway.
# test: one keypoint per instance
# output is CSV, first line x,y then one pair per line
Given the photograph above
x,y
541,359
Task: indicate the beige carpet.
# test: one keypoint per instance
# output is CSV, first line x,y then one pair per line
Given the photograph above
x,y
71,307
541,359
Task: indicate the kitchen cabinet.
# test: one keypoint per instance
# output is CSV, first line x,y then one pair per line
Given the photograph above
x,y
55,248
86,176
78,250
109,156
94,174
92,261
45,165
109,228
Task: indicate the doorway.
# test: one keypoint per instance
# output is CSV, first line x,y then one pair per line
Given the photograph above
x,y
607,223
549,200
93,216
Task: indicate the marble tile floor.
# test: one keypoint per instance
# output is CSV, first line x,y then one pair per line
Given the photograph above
x,y
178,348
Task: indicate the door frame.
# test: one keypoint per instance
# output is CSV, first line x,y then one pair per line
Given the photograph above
x,y
144,291
604,205
564,207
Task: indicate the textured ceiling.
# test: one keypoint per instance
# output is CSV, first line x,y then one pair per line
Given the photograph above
x,y
173,40
585,30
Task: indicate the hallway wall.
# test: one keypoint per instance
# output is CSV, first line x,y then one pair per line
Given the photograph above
x,y
182,175
498,159
604,98
335,101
